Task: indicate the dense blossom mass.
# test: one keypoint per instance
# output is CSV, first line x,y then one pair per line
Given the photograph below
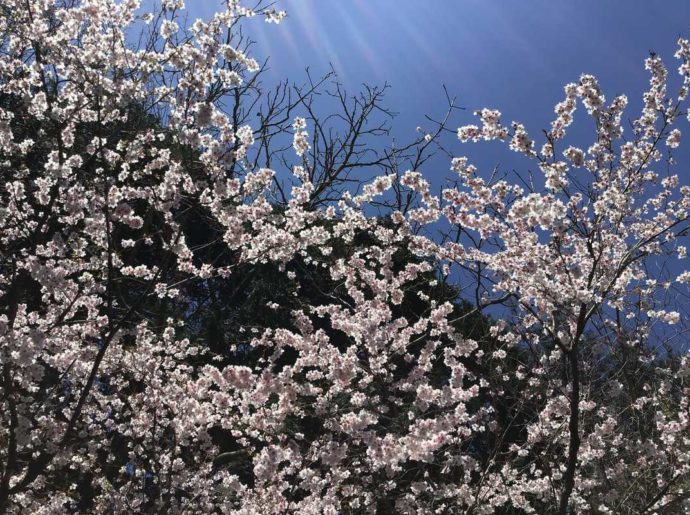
x,y
204,311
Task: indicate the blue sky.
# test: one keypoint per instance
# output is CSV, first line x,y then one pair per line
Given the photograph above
x,y
515,55
509,55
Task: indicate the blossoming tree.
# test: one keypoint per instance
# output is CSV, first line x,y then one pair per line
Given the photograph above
x,y
133,186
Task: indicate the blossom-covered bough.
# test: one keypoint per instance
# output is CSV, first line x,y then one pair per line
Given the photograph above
x,y
135,192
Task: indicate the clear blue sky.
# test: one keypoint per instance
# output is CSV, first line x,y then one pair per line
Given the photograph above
x,y
514,56
511,55
487,52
